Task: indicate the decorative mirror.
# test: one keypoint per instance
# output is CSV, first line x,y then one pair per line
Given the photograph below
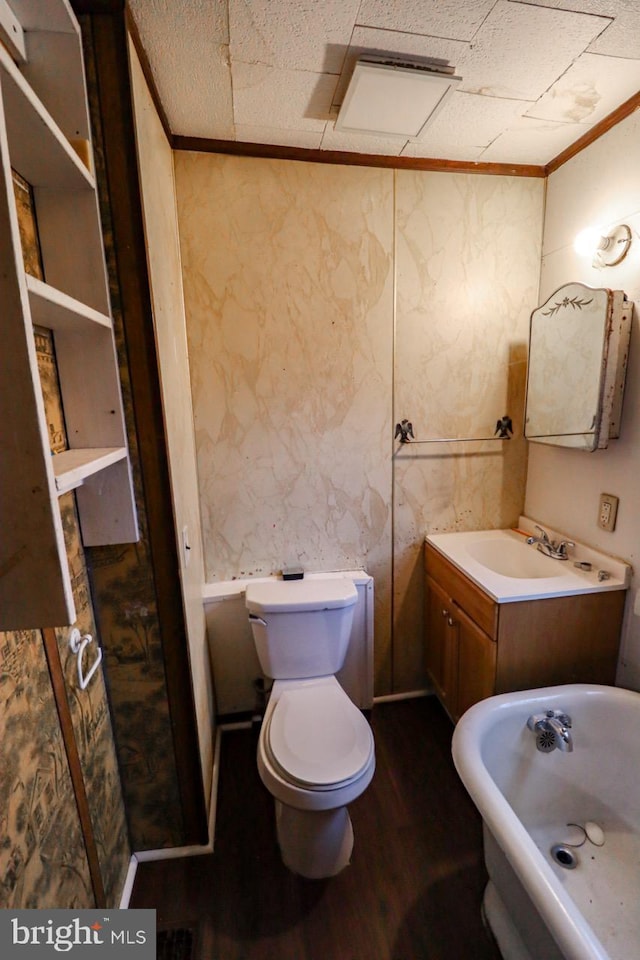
x,y
578,350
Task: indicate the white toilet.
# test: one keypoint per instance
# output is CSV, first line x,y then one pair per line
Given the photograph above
x,y
316,750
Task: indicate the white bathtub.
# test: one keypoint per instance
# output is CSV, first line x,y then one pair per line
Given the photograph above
x,y
537,909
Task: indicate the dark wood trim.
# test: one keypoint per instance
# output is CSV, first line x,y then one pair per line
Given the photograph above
x,y
81,7
594,133
56,673
269,151
134,33
109,39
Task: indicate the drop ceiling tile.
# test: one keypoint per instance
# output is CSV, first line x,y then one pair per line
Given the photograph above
x,y
192,77
306,36
621,38
292,99
360,143
444,18
513,55
532,141
160,22
470,120
601,8
250,133
198,100
589,90
395,43
443,151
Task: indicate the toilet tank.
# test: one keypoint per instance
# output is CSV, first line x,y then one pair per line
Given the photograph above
x,y
301,628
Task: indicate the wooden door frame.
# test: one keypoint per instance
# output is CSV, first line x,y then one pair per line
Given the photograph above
x,y
108,31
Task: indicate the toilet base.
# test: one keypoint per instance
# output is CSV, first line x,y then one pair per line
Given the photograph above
x,y
314,843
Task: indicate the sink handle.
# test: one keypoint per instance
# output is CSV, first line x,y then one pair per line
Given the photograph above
x,y
563,546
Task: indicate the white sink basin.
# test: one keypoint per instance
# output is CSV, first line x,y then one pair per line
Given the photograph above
x,y
511,558
510,569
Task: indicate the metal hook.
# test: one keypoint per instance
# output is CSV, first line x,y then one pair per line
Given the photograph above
x,y
78,644
404,430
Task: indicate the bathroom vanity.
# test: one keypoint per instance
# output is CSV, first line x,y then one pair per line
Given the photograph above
x,y
538,622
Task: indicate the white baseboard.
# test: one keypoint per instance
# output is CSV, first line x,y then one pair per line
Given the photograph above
x,y
410,695
128,883
172,853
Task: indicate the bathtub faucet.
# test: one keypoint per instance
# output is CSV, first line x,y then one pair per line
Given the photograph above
x,y
552,729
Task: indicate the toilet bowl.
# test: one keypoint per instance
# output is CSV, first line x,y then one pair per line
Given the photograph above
x,y
315,756
316,749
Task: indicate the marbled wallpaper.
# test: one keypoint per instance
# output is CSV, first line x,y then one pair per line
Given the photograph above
x,y
288,285
325,303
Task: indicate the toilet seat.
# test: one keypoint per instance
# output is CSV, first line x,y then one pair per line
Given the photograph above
x,y
316,738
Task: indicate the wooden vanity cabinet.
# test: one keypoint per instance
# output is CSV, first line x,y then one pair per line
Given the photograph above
x,y
476,647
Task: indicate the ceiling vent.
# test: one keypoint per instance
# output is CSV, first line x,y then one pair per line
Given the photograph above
x,y
394,98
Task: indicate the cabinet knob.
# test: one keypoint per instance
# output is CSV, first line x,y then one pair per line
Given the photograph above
x,y
445,613
451,622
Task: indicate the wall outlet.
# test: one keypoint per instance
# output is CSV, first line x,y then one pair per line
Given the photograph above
x,y
608,511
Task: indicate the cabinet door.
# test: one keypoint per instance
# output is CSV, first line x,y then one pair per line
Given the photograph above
x,y
441,644
476,662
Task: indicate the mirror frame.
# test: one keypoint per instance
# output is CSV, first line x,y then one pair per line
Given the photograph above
x,y
548,373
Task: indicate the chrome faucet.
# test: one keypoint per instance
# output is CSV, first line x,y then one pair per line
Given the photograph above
x,y
553,730
557,549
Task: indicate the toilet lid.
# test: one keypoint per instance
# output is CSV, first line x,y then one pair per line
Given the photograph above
x,y
318,736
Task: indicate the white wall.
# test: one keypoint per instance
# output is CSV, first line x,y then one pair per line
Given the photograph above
x,y
599,187
160,221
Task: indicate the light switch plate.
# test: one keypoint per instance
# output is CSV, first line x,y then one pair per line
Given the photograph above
x,y
607,511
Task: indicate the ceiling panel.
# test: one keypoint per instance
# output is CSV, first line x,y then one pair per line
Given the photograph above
x,y
455,19
469,122
291,99
622,36
589,91
300,36
256,133
532,141
535,75
360,143
536,45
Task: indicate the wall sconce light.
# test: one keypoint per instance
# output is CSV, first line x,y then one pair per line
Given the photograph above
x,y
607,250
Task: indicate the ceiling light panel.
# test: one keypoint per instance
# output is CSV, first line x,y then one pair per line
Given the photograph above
x,y
393,100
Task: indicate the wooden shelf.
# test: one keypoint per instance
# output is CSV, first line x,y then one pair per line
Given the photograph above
x,y
42,107
72,467
38,149
11,32
56,310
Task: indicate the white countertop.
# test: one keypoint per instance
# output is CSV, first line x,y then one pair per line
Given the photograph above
x,y
504,550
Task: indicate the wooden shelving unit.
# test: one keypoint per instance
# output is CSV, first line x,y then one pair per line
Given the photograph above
x,y
44,132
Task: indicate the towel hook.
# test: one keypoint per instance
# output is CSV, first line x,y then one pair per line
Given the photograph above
x,y
78,644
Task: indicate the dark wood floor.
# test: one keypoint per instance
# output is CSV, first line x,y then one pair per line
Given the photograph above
x,y
412,891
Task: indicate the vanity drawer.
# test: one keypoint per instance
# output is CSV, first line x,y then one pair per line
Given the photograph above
x,y
477,604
